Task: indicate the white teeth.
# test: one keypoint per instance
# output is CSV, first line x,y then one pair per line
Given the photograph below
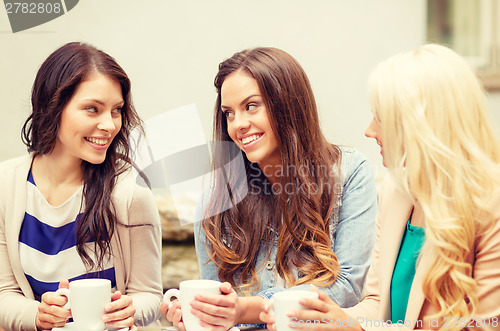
x,y
251,138
97,141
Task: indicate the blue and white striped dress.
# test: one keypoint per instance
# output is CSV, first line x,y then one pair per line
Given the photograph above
x,y
47,243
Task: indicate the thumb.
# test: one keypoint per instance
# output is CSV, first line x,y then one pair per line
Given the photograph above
x,y
116,295
226,288
64,283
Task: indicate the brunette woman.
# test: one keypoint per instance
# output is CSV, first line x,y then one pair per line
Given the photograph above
x,y
71,208
303,209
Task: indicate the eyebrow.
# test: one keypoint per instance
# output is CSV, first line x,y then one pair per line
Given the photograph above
x,y
243,101
122,102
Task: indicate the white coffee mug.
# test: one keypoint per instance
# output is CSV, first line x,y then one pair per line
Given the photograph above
x,y
188,289
282,303
87,299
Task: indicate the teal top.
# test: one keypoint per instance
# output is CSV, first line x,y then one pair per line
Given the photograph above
x,y
404,270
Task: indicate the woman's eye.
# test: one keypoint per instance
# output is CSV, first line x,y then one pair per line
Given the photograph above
x,y
251,106
229,114
117,111
91,109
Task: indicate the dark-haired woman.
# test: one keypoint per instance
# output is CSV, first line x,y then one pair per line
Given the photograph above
x,y
71,208
305,213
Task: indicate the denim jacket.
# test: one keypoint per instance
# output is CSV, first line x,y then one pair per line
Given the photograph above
x,y
352,233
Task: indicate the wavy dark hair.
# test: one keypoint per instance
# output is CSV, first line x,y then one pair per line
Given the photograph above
x,y
301,219
55,83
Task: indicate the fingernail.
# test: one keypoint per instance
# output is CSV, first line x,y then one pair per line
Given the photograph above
x,y
105,318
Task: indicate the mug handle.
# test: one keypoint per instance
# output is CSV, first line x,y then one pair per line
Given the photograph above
x,y
65,293
173,292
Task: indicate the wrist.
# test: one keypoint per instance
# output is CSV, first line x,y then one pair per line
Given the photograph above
x,y
248,310
239,311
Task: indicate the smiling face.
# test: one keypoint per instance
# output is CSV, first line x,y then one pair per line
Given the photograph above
x,y
90,120
247,117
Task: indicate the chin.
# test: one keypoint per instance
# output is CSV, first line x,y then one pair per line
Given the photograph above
x,y
254,160
95,161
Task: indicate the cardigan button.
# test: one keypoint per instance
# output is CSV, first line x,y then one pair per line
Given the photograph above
x,y
269,265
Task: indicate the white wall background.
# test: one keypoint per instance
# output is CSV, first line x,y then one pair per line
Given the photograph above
x,y
171,50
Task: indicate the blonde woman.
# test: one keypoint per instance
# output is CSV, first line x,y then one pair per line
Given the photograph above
x,y
436,264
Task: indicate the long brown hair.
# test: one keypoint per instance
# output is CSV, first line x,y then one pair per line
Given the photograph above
x,y
300,218
55,83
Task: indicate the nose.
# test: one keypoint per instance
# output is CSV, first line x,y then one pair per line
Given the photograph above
x,y
370,130
106,122
241,121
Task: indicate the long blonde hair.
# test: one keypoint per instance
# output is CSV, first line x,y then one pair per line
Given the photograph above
x,y
441,148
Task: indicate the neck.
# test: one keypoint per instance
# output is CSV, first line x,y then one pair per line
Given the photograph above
x,y
58,170
273,172
417,217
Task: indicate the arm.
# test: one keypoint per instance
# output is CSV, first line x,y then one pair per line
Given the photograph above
x,y
208,269
369,309
487,272
16,311
144,284
355,235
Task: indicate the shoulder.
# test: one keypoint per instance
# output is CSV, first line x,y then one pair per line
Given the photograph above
x,y
127,193
389,187
13,171
353,164
11,165
351,156
493,206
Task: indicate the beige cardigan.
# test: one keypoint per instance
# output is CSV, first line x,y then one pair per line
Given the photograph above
x,y
137,250
394,211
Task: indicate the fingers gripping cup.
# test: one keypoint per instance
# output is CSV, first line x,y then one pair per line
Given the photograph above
x,y
188,289
87,299
284,302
